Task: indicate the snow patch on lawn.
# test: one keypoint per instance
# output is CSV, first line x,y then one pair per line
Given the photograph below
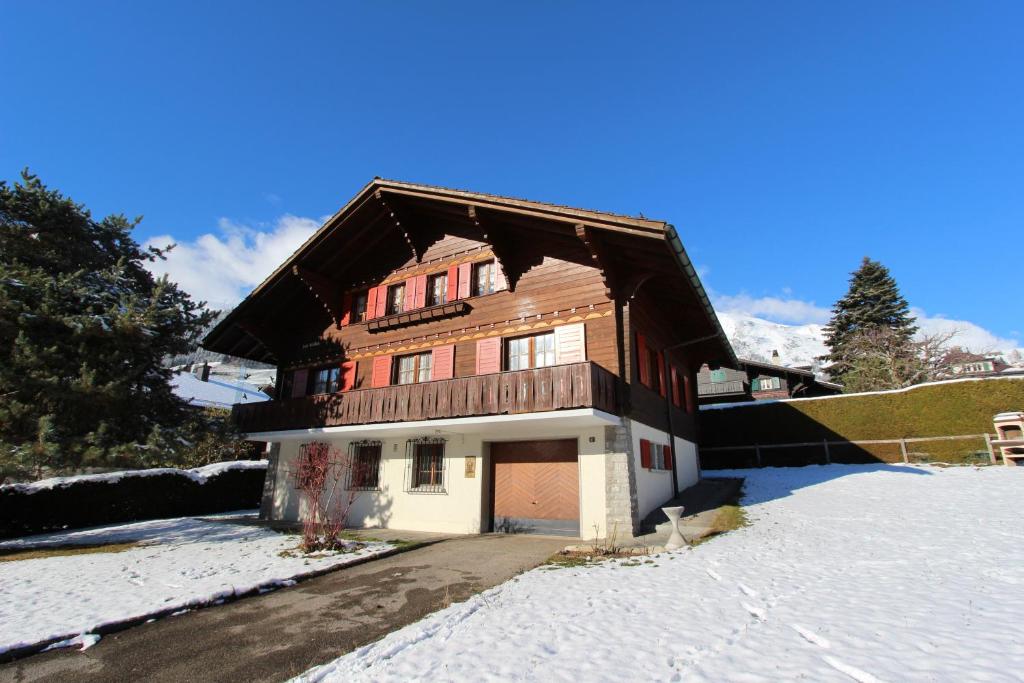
x,y
863,572
179,564
199,475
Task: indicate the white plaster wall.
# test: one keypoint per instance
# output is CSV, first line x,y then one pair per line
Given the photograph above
x,y
457,510
592,483
462,508
653,487
687,464
286,496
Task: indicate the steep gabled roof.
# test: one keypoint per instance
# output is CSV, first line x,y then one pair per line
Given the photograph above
x,y
605,236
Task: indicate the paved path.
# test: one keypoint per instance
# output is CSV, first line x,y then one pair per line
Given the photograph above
x,y
274,636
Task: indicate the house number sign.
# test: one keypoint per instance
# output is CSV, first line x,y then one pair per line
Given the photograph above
x,y
470,467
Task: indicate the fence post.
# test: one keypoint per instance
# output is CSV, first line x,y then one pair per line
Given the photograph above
x,y
903,450
828,456
991,451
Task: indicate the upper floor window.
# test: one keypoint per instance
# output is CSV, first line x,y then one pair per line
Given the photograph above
x,y
654,370
718,375
765,383
484,278
437,289
396,299
359,307
286,384
324,380
534,351
413,369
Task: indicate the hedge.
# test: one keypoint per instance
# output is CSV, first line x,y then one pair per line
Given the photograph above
x,y
941,409
94,500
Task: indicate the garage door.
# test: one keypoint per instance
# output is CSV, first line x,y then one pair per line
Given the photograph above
x,y
536,487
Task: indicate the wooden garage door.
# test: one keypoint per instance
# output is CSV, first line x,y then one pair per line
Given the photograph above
x,y
536,486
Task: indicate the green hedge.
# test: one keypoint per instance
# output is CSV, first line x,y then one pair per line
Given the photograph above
x,y
947,409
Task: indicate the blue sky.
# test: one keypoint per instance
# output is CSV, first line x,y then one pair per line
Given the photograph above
x,y
784,140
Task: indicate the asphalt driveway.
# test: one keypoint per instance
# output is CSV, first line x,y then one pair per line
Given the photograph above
x,y
274,636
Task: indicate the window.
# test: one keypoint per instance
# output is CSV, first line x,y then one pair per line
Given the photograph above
x,y
484,278
765,384
359,307
718,375
534,351
653,370
324,380
413,369
427,465
396,299
286,384
364,474
437,289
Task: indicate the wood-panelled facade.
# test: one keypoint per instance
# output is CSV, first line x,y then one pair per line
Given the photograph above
x,y
417,303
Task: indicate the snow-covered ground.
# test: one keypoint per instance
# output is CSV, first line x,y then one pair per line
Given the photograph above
x,y
179,563
864,573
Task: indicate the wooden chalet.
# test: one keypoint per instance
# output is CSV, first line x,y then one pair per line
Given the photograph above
x,y
489,363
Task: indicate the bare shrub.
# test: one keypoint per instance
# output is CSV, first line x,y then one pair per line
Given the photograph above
x,y
320,475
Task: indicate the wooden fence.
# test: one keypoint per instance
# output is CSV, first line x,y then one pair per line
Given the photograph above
x,y
827,444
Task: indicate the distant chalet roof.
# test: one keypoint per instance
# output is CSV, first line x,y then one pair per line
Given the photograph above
x,y
405,218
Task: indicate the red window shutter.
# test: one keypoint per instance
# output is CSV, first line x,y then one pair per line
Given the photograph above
x,y
453,283
443,362
348,375
382,302
500,282
421,292
299,379
661,373
346,309
371,303
410,295
668,458
641,360
645,454
381,375
570,343
465,280
488,355
676,396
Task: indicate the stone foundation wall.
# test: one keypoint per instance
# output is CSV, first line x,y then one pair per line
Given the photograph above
x,y
622,514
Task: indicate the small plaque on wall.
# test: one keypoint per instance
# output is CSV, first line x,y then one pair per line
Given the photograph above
x,y
470,467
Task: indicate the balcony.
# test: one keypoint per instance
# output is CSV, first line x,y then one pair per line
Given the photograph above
x,y
735,386
575,385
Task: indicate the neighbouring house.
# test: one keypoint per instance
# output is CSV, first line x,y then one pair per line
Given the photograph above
x,y
199,388
758,381
489,363
962,363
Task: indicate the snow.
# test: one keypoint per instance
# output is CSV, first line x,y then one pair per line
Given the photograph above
x,y
215,393
179,564
199,475
756,338
847,572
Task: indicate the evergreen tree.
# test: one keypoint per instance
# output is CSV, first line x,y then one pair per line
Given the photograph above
x,y
84,327
872,304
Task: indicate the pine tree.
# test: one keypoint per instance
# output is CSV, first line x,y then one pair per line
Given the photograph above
x,y
84,327
872,303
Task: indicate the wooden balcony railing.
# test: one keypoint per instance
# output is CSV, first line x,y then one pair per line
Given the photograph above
x,y
576,385
734,386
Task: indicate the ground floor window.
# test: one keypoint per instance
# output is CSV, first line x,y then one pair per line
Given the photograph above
x,y
364,470
427,464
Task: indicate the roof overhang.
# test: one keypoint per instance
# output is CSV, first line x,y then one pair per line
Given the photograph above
x,y
405,213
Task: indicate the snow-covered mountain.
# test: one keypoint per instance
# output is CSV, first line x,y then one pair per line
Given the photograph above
x,y
756,338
